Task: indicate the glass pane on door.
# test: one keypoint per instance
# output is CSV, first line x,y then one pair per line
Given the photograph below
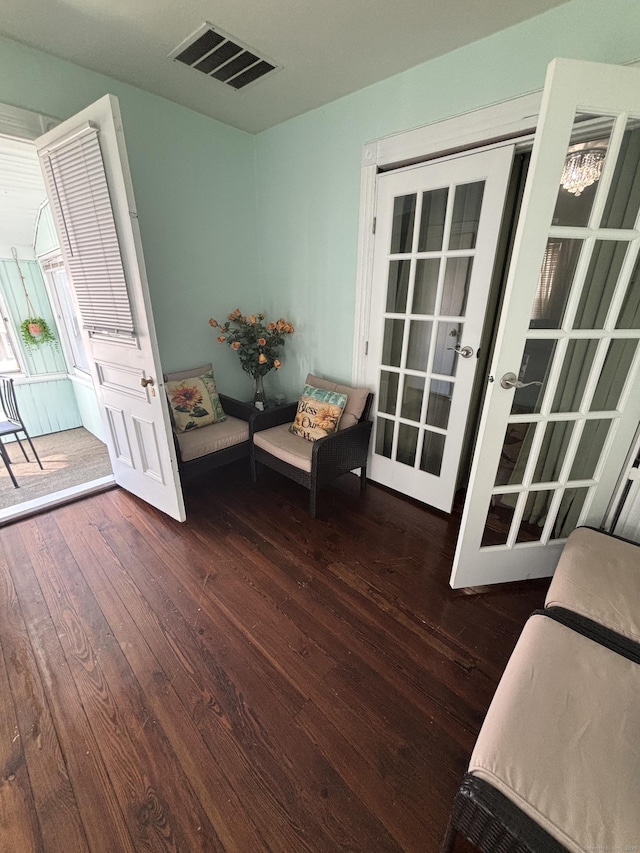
x,y
554,284
426,285
398,286
434,210
623,203
604,270
404,214
466,216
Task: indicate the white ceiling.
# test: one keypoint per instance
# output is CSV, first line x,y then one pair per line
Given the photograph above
x,y
21,194
328,48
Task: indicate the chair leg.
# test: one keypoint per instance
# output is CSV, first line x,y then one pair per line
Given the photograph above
x,y
35,452
363,478
312,503
254,469
7,462
24,452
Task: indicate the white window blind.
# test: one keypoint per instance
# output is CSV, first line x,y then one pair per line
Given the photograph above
x,y
79,193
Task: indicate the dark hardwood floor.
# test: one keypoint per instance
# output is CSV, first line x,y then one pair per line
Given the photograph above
x,y
252,680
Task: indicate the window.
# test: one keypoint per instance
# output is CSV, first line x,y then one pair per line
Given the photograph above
x,y
60,289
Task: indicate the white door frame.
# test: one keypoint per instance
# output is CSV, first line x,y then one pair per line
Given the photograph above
x,y
501,123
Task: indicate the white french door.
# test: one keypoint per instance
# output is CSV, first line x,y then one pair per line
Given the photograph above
x,y
563,402
436,235
87,178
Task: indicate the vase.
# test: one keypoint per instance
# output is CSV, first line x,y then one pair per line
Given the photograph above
x,y
259,395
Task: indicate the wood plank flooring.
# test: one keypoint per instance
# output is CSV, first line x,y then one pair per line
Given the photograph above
x,y
252,680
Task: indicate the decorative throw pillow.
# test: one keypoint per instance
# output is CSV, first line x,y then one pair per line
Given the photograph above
x,y
210,385
318,414
190,404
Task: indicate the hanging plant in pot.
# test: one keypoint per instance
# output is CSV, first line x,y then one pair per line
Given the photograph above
x,y
35,332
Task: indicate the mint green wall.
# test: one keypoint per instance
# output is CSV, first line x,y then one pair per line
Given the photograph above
x,y
308,169
195,191
47,358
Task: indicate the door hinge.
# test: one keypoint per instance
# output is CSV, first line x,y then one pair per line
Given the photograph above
x,y
375,219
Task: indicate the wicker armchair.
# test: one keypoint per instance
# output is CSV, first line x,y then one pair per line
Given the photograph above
x,y
203,450
313,464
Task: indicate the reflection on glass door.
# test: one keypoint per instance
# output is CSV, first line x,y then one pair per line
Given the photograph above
x,y
552,439
580,348
437,231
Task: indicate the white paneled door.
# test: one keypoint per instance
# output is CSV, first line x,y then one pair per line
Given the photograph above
x,y
87,177
563,401
436,235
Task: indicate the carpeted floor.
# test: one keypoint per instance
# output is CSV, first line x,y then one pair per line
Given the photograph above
x,y
69,458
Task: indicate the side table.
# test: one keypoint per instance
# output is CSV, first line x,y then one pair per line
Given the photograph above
x,y
258,420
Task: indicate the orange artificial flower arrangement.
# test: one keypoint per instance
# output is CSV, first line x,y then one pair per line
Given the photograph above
x,y
256,341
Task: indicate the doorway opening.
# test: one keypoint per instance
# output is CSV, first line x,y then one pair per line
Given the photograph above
x,y
53,386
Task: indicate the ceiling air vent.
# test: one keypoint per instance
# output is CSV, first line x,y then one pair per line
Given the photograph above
x,y
222,57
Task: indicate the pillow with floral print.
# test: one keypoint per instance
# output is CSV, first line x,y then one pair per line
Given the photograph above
x,y
318,414
190,404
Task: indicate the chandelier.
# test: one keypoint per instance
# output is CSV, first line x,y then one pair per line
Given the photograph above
x,y
582,169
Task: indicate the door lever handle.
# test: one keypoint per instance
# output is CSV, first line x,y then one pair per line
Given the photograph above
x,y
144,381
510,380
465,352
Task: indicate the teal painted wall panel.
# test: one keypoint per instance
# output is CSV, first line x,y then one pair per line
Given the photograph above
x,y
308,169
47,358
194,184
88,408
48,406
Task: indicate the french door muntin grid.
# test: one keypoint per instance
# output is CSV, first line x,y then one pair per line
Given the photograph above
x,y
435,319
562,338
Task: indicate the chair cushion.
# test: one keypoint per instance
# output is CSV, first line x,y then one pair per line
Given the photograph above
x,y
319,413
284,445
217,436
560,739
356,399
598,576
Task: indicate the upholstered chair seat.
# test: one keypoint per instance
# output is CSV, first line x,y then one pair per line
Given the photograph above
x,y
201,450
309,456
